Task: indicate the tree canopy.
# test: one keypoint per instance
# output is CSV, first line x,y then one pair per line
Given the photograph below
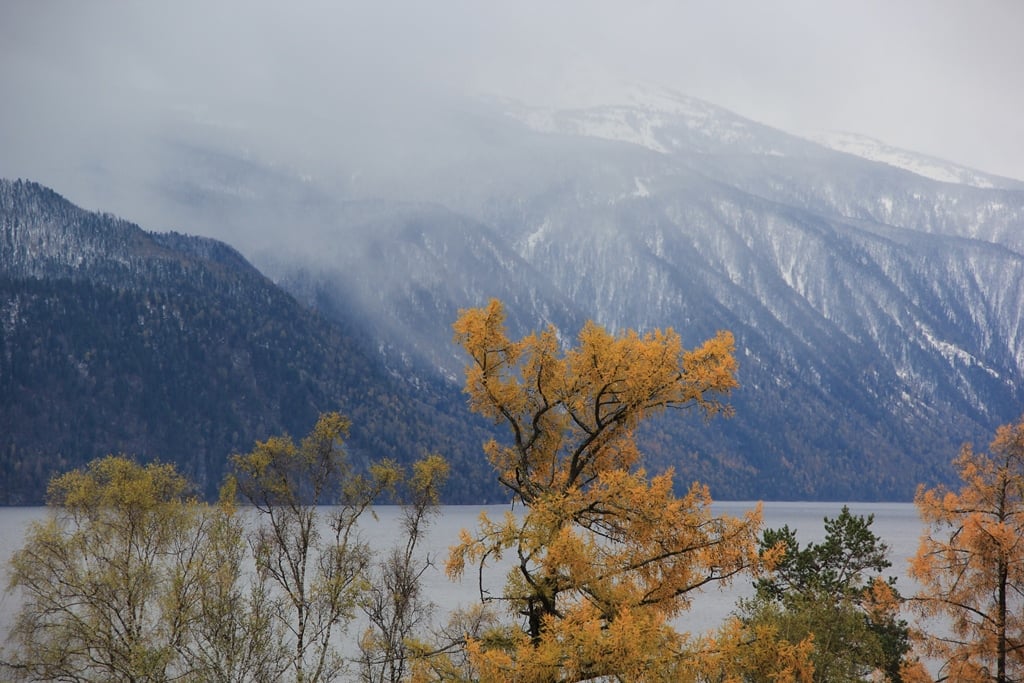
x,y
603,555
833,596
130,578
970,563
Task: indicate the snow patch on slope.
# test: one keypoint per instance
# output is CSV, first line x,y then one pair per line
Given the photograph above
x,y
616,124
658,119
952,352
921,164
641,188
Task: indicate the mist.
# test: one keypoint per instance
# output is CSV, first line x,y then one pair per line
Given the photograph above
x,y
108,102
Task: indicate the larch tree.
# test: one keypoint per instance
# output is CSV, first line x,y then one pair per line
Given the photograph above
x,y
970,564
602,555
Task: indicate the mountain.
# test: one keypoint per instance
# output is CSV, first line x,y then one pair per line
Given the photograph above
x,y
114,339
921,164
878,312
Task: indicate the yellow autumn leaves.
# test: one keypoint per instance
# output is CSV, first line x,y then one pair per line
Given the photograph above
x,y
132,574
603,556
970,563
572,414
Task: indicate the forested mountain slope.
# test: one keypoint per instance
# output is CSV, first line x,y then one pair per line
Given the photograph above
x,y
879,312
113,339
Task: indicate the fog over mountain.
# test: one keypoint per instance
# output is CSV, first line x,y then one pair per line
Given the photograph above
x,y
93,88
389,165
879,313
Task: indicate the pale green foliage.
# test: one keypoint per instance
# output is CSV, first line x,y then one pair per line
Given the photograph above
x,y
131,578
237,638
118,585
394,602
312,560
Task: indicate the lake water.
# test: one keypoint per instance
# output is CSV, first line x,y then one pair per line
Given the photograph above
x,y
895,523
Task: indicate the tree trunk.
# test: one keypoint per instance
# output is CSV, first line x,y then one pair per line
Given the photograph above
x,y
1001,625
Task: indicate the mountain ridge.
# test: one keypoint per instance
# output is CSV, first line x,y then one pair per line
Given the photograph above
x,y
887,302
921,164
170,347
878,313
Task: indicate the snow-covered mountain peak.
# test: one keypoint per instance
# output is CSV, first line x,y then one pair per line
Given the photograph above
x,y
620,124
658,98
659,119
921,164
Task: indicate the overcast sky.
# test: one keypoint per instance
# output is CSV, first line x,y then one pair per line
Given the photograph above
x,y
936,76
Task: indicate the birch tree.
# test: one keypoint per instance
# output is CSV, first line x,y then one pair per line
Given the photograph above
x,y
311,558
131,578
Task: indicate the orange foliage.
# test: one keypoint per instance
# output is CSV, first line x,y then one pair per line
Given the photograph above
x,y
970,563
741,653
603,554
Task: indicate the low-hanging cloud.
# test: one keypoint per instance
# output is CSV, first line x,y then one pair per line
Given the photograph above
x,y
91,89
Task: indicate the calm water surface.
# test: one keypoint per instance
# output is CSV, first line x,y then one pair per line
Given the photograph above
x,y
896,523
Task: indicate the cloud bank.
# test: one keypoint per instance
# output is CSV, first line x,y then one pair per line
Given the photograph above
x,y
90,86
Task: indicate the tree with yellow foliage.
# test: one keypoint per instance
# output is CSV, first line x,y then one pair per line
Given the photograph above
x,y
315,568
395,603
603,556
970,564
130,578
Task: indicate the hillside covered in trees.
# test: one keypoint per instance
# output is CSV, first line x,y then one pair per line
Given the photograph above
x,y
171,347
163,345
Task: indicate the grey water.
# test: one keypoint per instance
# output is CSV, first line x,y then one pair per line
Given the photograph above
x,y
897,524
